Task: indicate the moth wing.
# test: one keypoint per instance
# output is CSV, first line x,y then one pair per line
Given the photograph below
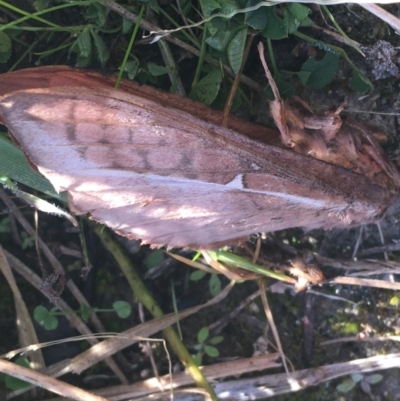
x,y
164,176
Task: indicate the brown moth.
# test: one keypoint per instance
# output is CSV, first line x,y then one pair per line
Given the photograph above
x,y
155,167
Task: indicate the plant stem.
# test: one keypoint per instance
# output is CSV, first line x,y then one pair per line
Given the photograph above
x,y
143,295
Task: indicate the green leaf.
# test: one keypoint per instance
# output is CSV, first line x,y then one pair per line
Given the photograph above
x,y
217,340
14,383
346,386
40,313
211,351
303,75
27,240
208,7
356,377
292,23
276,28
122,308
198,358
5,47
373,379
5,225
306,22
132,68
207,88
256,19
101,49
359,82
220,35
85,311
203,334
236,49
154,5
298,11
157,70
394,301
228,6
154,258
321,71
98,13
40,5
85,43
14,166
50,323
214,285
83,47
126,25
197,275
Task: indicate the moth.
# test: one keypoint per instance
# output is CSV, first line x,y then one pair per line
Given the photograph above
x,y
161,169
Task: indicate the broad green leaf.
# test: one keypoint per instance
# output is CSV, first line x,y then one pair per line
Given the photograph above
x,y
84,43
40,5
276,28
122,308
197,275
394,301
356,377
5,225
217,340
292,23
83,47
5,47
50,323
14,166
203,334
306,22
298,11
157,70
228,6
126,25
101,49
208,7
359,82
98,13
373,379
219,34
303,75
45,318
14,383
154,258
257,19
85,311
211,351
198,358
214,285
132,68
207,88
40,313
321,71
235,50
346,386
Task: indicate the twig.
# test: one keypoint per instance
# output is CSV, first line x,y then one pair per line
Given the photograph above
x,y
143,295
41,380
70,284
379,12
271,322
